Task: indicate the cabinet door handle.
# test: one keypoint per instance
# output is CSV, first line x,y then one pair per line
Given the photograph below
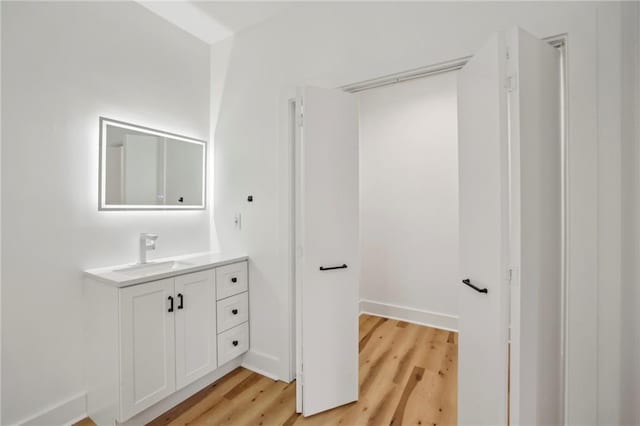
x,y
234,311
235,343
170,303
181,301
234,280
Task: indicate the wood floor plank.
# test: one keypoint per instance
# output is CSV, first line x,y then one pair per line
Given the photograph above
x,y
448,414
388,386
247,383
408,375
239,402
281,408
253,412
205,394
365,339
416,376
214,399
366,322
291,419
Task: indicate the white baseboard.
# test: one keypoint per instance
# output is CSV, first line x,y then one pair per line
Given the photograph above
x,y
74,409
262,363
66,412
412,315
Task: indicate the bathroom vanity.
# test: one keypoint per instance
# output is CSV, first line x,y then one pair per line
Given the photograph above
x,y
155,329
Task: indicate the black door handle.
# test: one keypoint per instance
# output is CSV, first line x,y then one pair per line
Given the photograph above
x,y
234,311
170,303
235,343
234,280
180,304
467,281
328,268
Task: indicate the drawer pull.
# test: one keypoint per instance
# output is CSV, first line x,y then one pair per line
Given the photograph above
x,y
234,311
235,343
234,280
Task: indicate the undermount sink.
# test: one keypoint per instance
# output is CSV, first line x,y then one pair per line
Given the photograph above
x,y
151,268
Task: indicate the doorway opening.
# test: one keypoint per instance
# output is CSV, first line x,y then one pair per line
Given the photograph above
x,y
408,220
388,309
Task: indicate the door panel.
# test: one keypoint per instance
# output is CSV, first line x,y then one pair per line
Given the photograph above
x,y
148,346
195,326
327,236
483,156
510,243
535,141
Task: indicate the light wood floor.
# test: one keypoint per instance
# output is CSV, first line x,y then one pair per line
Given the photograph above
x,y
408,376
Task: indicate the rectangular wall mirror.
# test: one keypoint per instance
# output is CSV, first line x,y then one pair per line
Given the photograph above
x,y
148,169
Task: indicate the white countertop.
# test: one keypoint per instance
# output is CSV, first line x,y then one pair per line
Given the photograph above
x,y
193,263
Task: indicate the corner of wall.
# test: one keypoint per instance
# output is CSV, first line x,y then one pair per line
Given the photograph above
x,y
630,111
0,212
262,363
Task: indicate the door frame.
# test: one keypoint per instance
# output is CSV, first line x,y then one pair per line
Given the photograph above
x,y
560,42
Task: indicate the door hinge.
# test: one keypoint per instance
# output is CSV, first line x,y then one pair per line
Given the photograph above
x,y
300,115
510,83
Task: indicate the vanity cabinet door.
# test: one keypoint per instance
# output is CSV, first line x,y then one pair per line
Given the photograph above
x,y
195,326
147,351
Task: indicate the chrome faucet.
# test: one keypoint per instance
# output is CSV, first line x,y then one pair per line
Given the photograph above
x,y
147,242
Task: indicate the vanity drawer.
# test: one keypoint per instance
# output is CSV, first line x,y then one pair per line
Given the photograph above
x,y
231,280
233,343
232,311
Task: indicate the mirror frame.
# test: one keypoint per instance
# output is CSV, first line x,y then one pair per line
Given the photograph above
x,y
102,206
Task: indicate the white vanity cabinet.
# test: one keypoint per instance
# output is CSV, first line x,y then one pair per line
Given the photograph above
x,y
150,339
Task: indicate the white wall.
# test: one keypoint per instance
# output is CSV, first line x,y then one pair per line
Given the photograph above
x,y
63,65
409,197
630,118
254,74
1,211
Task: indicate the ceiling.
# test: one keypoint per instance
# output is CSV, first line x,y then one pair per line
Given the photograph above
x,y
212,21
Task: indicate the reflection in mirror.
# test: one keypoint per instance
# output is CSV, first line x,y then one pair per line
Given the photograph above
x,y
142,168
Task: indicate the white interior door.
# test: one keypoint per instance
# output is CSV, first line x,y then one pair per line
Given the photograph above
x,y
508,119
327,261
484,216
